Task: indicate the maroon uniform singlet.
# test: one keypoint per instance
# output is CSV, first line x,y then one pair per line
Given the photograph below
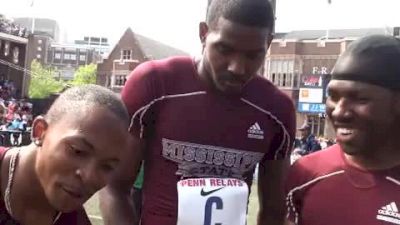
x,y
192,131
324,189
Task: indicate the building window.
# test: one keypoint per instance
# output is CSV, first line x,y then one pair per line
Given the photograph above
x,y
317,123
82,58
281,73
67,56
126,54
39,49
120,80
39,41
73,57
284,80
57,56
38,56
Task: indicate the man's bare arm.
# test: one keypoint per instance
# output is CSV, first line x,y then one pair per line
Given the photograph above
x,y
271,178
116,205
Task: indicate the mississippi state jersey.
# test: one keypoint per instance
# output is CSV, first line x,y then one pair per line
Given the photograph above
x,y
324,189
191,131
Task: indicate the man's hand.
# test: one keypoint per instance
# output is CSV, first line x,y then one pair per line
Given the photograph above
x,y
271,176
116,204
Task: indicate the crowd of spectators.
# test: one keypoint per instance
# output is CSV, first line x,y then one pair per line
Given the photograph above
x,y
7,26
15,115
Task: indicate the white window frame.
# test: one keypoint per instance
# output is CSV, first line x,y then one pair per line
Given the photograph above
x,y
126,54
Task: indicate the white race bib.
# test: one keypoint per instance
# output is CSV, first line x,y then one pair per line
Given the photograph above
x,y
212,201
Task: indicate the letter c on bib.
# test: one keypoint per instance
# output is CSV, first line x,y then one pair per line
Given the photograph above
x,y
208,209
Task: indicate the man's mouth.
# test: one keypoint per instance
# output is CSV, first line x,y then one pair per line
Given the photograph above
x,y
73,192
345,131
345,134
234,83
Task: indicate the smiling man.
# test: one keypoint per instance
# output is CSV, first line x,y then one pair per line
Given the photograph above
x,y
202,125
357,181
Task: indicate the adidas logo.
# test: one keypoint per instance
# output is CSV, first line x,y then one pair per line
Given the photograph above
x,y
389,213
255,132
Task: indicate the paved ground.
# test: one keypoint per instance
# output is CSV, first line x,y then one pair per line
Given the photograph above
x,y
94,214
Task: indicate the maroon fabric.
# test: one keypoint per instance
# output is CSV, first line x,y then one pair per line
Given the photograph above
x,y
192,131
77,217
352,196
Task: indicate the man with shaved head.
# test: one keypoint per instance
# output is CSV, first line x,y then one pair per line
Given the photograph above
x,y
356,181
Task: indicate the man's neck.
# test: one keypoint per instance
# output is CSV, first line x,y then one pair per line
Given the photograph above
x,y
381,160
27,188
202,72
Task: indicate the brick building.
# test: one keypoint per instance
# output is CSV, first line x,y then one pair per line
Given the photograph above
x,y
100,44
66,58
130,51
300,59
13,61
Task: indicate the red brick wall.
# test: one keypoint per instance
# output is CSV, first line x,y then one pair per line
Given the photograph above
x,y
127,42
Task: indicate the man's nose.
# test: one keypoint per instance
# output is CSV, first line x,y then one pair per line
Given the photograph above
x,y
91,176
341,110
237,65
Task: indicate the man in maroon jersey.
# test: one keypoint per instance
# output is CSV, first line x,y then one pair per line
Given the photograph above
x,y
357,181
203,125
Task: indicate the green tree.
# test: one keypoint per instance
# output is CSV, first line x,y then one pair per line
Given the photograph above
x,y
43,82
85,75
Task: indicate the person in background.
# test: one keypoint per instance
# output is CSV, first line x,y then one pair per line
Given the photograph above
x,y
307,143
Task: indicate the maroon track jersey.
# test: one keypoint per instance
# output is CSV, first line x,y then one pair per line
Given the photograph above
x,y
194,132
323,188
77,217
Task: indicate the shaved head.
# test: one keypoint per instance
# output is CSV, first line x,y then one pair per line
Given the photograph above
x,y
77,101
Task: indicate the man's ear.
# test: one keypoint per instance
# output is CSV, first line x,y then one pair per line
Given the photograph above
x,y
39,128
203,32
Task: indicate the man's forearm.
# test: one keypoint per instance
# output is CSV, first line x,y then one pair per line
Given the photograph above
x,y
270,218
117,208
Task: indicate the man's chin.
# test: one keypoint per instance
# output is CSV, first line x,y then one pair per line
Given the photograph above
x,y
350,149
230,91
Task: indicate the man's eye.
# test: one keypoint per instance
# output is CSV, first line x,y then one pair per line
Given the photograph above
x,y
362,100
255,55
107,167
223,49
77,152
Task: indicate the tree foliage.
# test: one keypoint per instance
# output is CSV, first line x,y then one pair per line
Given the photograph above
x,y
43,82
85,75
